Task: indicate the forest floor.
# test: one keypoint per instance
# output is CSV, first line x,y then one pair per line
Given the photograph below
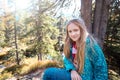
x,y
37,74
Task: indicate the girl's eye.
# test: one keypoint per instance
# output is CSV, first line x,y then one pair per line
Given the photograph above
x,y
69,31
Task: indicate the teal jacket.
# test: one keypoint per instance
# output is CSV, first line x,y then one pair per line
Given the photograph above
x,y
95,67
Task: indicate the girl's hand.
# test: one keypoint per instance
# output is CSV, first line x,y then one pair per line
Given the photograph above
x,y
75,75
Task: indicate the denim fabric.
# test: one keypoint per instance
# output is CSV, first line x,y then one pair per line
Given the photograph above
x,y
56,74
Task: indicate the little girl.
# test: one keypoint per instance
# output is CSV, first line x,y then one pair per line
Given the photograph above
x,y
83,57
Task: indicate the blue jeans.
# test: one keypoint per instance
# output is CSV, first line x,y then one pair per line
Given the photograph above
x,y
56,74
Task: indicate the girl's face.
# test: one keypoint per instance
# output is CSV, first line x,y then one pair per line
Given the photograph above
x,y
73,31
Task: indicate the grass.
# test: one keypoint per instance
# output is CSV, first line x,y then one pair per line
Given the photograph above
x,y
38,65
5,76
27,65
30,65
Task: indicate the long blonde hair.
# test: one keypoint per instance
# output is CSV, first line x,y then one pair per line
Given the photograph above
x,y
80,43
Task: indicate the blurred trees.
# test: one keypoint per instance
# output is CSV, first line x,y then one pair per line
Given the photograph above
x,y
112,39
35,28
113,28
44,27
7,28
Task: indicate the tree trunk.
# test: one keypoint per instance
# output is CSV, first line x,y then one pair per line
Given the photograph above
x,y
97,17
39,39
104,20
86,13
39,34
16,45
39,56
100,19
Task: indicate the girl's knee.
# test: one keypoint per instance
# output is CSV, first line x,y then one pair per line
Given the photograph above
x,y
48,73
48,70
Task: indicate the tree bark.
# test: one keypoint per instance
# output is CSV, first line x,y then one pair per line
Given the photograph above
x,y
100,19
97,17
16,45
39,39
104,21
86,13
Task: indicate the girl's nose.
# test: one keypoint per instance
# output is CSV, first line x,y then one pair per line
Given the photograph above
x,y
73,33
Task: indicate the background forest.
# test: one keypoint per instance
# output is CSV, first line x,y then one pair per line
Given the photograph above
x,y
32,34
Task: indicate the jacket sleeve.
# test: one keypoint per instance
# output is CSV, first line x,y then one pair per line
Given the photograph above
x,y
100,71
68,64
